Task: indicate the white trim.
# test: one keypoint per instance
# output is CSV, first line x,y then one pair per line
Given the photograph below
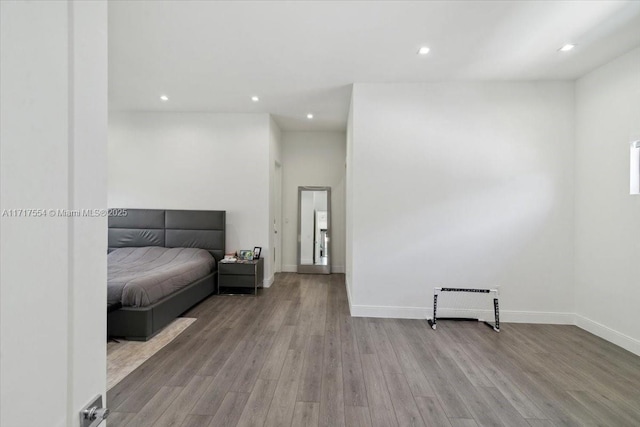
x,y
424,312
348,288
605,332
548,317
634,169
294,268
389,312
338,269
268,282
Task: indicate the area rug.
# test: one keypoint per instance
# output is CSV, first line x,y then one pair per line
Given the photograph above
x,y
125,356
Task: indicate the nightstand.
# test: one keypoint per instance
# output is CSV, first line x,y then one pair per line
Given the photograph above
x,y
245,274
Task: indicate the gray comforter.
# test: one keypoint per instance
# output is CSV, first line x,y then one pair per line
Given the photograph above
x,y
138,277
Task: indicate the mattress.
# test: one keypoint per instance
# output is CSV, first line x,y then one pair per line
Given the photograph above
x,y
138,277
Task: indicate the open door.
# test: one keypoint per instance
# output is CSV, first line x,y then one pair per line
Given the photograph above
x,y
53,199
277,221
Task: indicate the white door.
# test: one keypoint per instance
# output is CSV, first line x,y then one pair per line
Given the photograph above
x,y
277,221
53,158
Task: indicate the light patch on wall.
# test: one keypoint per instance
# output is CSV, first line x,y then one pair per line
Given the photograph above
x,y
634,184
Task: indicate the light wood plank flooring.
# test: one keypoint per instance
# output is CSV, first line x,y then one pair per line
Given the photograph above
x,y
294,357
123,356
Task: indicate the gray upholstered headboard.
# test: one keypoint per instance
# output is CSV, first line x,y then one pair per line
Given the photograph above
x,y
168,228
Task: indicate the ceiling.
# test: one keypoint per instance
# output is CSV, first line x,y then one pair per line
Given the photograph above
x,y
303,56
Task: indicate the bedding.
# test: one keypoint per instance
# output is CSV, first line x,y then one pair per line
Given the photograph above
x,y
138,277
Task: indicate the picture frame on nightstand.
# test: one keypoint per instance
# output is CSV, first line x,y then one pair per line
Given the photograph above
x,y
256,252
245,255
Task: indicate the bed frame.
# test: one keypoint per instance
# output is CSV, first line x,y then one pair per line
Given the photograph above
x,y
170,229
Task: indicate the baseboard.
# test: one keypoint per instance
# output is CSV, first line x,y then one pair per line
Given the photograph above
x,y
389,311
548,317
606,333
294,269
348,288
268,282
424,312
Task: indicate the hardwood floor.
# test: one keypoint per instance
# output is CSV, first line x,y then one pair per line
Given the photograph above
x,y
294,357
123,356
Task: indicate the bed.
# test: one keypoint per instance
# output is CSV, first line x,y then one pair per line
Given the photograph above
x,y
177,249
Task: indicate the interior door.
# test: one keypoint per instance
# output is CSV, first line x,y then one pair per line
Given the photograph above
x,y
53,165
277,226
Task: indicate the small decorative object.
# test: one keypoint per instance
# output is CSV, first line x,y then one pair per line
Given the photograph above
x,y
256,252
245,255
230,257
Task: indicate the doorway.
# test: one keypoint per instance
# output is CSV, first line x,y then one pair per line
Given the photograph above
x,y
277,219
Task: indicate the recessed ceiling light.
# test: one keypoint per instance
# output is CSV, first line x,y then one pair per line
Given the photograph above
x,y
309,116
567,47
255,99
164,98
423,50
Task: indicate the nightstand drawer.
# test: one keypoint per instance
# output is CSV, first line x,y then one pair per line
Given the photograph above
x,y
237,268
237,280
241,275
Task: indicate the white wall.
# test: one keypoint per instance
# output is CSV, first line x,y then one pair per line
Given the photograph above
x,y
53,109
462,184
313,159
196,161
607,226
